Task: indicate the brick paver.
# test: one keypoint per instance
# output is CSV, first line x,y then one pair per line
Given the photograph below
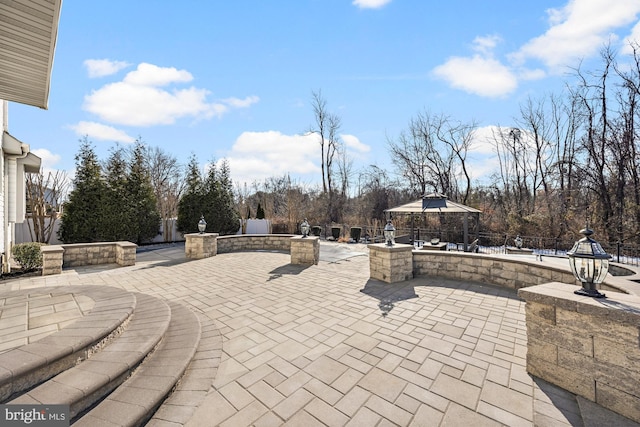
x,y
325,345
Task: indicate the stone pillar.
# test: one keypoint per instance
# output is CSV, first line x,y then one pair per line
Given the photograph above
x,y
585,345
51,259
305,250
390,263
198,246
126,253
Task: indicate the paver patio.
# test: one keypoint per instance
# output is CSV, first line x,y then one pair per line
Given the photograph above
x,y
324,345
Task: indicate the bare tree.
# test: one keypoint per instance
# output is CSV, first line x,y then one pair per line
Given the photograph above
x,y
45,196
327,127
457,137
432,155
592,93
345,171
167,180
628,98
563,136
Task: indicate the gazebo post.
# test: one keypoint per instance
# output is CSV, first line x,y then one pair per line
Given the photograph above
x,y
413,242
466,231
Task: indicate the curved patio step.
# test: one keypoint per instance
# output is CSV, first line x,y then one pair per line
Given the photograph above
x,y
88,382
136,400
192,389
23,367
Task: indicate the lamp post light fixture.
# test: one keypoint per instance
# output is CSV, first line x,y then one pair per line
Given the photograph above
x,y
389,234
589,264
518,241
305,228
202,225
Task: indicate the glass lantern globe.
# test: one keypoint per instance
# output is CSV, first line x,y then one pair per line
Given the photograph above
x,y
305,228
389,234
518,242
202,225
589,264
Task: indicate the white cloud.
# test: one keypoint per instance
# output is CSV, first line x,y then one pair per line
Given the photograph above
x,y
483,141
370,4
103,67
478,75
482,160
49,159
352,142
632,39
140,100
486,44
241,103
49,162
528,74
152,75
578,30
259,155
103,132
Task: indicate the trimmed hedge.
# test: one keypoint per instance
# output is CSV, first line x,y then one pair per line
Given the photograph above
x,y
28,255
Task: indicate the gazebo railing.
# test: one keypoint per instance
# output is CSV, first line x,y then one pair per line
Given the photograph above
x,y
488,243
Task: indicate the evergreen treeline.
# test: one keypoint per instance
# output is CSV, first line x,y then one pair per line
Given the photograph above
x,y
210,196
117,201
110,202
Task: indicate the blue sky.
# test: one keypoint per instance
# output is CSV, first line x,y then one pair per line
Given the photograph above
x,y
233,79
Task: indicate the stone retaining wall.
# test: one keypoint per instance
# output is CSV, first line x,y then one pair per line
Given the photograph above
x,y
510,273
55,257
254,242
585,345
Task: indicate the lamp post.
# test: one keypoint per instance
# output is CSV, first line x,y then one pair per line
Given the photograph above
x,y
389,234
589,264
202,225
305,228
518,241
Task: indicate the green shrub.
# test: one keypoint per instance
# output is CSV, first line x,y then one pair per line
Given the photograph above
x,y
28,255
355,233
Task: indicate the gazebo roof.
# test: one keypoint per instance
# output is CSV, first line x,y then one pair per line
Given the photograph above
x,y
446,206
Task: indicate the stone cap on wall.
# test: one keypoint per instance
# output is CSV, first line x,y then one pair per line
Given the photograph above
x,y
618,307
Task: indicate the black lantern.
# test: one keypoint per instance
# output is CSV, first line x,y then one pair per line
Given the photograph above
x,y
202,225
589,263
389,234
305,228
518,242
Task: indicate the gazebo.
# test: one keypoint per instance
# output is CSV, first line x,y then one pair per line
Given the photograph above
x,y
439,204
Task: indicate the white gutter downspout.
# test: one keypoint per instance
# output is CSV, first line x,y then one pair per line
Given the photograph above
x,y
11,202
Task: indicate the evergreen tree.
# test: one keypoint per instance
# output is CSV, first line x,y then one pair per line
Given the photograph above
x,y
82,216
116,222
143,217
259,212
219,207
211,197
190,207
